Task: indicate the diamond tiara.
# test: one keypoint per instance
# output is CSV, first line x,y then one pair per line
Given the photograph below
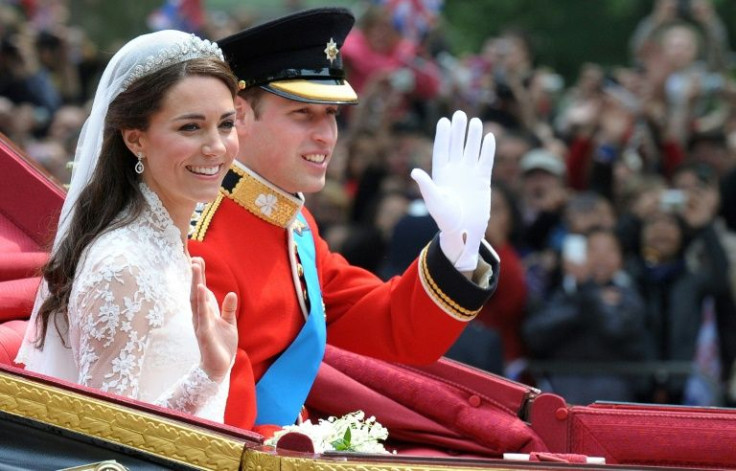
x,y
193,48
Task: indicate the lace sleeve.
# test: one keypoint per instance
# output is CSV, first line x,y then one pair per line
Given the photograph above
x,y
113,314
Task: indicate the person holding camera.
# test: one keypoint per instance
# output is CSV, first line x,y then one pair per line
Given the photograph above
x,y
711,248
701,13
677,292
394,75
595,317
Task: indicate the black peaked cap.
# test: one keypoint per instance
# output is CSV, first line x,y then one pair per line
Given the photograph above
x,y
296,56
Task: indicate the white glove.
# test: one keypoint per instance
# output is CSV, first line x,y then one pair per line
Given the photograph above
x,y
458,196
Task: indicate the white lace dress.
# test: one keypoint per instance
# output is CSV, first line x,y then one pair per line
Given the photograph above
x,y
130,319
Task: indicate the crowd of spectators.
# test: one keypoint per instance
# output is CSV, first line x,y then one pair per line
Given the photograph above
x,y
614,197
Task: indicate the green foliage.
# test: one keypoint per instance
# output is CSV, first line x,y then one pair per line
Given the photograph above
x,y
110,24
343,444
564,33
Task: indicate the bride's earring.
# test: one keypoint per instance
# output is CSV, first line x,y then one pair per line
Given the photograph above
x,y
139,166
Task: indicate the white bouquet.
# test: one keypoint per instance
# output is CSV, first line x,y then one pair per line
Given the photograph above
x,y
351,432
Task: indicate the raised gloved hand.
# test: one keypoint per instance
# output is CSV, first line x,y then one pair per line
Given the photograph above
x,y
458,196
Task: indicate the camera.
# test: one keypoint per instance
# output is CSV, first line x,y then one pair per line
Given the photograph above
x,y
574,248
402,80
677,84
672,200
621,95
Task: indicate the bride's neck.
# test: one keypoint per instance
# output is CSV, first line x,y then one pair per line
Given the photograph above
x,y
181,221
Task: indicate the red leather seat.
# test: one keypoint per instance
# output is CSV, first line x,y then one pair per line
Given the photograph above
x,y
11,335
31,202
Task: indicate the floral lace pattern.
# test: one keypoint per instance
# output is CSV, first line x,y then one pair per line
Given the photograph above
x,y
131,321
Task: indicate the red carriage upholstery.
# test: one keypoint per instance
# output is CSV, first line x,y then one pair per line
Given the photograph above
x,y
31,202
441,409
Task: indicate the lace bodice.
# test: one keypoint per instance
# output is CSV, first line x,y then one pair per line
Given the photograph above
x,y
130,319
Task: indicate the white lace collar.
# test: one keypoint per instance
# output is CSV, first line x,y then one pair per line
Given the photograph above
x,y
160,217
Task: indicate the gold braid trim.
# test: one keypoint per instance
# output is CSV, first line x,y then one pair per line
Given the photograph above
x,y
118,424
203,223
440,297
263,200
258,461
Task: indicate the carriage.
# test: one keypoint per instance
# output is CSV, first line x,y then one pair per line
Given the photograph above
x,y
441,416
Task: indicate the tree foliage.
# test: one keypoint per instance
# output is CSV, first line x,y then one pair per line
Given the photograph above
x,y
564,33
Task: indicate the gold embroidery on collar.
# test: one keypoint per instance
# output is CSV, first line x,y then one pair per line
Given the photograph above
x,y
205,218
265,201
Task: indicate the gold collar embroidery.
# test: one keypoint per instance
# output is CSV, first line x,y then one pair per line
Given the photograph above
x,y
260,197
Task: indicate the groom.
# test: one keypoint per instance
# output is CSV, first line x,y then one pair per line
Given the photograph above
x,y
260,241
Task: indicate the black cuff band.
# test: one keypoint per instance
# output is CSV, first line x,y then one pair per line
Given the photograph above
x,y
449,287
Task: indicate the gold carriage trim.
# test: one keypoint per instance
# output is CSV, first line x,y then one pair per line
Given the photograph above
x,y
205,218
255,460
440,297
118,424
261,198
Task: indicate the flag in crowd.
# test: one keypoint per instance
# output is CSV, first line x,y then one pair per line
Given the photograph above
x,y
414,18
184,15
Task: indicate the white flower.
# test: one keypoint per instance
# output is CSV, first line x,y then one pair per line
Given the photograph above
x,y
155,316
109,316
347,433
124,365
267,203
132,306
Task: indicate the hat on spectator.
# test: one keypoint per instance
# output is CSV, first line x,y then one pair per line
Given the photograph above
x,y
542,159
296,56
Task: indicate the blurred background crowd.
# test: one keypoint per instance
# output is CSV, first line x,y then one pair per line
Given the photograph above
x,y
614,186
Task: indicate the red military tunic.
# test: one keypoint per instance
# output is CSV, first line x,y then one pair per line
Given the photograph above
x,y
245,238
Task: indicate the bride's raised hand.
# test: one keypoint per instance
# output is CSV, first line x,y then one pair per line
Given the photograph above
x,y
217,334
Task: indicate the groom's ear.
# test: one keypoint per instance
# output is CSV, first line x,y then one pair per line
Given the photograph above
x,y
244,115
132,140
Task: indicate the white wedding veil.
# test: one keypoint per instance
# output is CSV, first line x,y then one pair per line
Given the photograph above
x,y
138,58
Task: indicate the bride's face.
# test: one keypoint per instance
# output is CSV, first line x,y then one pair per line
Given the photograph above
x,y
190,143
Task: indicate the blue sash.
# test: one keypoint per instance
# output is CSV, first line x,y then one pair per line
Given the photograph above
x,y
282,390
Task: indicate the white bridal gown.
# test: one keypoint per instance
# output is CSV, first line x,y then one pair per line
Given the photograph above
x,y
130,318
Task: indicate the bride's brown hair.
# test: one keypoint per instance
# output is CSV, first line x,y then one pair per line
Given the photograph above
x,y
114,183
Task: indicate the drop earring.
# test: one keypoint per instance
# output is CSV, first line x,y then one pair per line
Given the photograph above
x,y
139,166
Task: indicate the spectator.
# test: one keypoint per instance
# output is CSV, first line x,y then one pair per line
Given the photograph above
x,y
511,146
639,200
588,211
364,243
505,311
383,64
22,80
674,295
53,49
711,249
596,316
512,69
543,198
700,12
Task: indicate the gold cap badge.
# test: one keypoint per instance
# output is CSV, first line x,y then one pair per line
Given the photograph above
x,y
331,51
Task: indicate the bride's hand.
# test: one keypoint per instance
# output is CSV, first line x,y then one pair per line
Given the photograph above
x,y
217,335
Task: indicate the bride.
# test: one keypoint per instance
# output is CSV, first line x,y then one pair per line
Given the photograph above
x,y
122,307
